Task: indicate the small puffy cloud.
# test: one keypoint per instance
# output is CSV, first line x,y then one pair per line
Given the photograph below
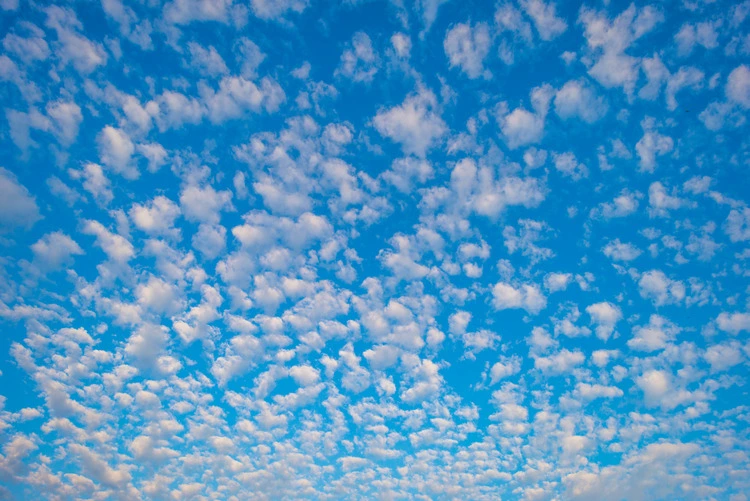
x,y
18,208
555,282
605,316
382,356
738,86
588,392
654,336
527,297
660,289
562,362
116,151
188,11
609,38
624,204
724,356
74,48
207,61
466,47
506,367
415,124
429,10
158,296
116,247
401,44
210,240
55,250
407,172
359,62
651,146
568,165
660,202
545,18
656,385
521,127
304,375
96,183
277,9
737,225
234,99
204,204
577,99
734,323
621,251
65,118
156,217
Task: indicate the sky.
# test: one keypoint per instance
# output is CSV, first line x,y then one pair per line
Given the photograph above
x,y
365,249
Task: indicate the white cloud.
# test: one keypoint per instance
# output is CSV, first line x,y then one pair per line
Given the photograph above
x,y
55,250
359,62
18,209
623,205
204,204
521,127
528,297
555,282
651,146
207,61
157,217
568,165
507,367
276,9
738,86
656,385
723,357
116,151
466,47
660,202
737,225
562,362
577,99
657,287
545,18
304,375
655,336
621,251
733,323
116,247
415,124
605,315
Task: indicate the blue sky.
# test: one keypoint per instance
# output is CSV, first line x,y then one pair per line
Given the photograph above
x,y
373,249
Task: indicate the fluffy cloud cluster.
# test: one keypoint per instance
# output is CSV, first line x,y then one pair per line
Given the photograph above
x,y
378,250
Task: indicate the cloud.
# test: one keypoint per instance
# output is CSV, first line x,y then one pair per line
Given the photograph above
x,y
605,316
655,336
521,127
545,18
657,287
18,209
55,250
738,86
116,151
577,99
359,62
466,47
415,124
621,251
527,297
737,225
